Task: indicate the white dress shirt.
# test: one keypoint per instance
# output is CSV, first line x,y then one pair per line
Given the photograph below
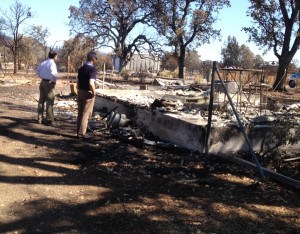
x,y
47,70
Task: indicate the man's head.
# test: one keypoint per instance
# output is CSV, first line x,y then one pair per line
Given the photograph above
x,y
52,54
91,57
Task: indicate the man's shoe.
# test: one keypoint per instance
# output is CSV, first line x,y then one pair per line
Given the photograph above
x,y
85,136
53,124
44,121
50,123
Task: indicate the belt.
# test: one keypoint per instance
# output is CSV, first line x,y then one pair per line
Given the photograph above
x,y
49,81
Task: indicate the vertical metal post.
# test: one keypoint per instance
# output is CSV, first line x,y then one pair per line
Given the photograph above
x,y
260,99
210,107
68,67
5,62
241,90
103,76
113,72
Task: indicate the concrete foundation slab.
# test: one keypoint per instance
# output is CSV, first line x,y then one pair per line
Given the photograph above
x,y
185,130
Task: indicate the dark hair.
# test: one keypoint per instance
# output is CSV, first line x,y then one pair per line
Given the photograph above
x,y
91,55
52,54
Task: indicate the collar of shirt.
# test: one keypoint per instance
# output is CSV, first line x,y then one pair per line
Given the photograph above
x,y
89,63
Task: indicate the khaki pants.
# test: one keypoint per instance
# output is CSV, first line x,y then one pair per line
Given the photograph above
x,y
46,95
85,101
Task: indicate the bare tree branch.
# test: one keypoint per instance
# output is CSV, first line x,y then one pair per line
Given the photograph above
x,y
186,23
10,31
114,24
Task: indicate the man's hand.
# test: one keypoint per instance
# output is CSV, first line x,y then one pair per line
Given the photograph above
x,y
92,87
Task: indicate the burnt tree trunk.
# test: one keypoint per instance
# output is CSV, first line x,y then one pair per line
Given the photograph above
x,y
181,61
281,75
289,48
19,61
15,62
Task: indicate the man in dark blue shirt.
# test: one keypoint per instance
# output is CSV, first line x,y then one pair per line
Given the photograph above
x,y
86,93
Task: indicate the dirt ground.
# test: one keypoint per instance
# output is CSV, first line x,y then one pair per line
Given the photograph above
x,y
52,182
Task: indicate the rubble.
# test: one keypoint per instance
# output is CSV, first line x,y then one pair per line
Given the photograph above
x,y
178,117
190,105
107,181
167,82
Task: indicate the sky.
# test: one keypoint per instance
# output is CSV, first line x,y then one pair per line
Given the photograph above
x,y
230,22
53,14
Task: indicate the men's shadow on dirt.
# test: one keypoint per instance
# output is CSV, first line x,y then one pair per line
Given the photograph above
x,y
168,191
12,106
140,200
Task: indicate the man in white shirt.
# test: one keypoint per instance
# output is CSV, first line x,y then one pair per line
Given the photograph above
x,y
47,71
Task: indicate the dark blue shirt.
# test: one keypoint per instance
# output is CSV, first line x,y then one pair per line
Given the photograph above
x,y
85,73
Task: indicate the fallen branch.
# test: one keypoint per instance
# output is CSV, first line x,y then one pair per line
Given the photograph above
x,y
100,82
35,99
291,159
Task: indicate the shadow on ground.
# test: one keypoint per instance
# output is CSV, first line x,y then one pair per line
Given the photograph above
x,y
139,190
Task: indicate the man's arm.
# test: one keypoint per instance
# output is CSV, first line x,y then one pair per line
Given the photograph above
x,y
53,72
93,76
92,87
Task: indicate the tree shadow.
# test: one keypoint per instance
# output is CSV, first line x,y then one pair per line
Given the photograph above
x,y
147,190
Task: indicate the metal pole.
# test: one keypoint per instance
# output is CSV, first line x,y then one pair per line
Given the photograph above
x,y
240,91
68,68
5,62
103,76
242,128
210,107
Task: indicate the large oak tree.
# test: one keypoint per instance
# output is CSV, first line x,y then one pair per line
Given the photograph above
x,y
186,23
276,27
117,24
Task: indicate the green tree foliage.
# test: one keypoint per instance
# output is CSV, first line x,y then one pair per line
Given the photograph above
x,y
41,34
116,24
276,27
74,51
105,59
235,55
258,62
30,51
193,62
169,61
246,57
11,33
231,53
285,130
186,23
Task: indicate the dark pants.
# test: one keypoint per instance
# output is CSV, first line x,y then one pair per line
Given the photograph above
x,y
85,101
46,95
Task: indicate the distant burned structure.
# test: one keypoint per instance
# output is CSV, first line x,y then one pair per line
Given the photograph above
x,y
140,63
248,76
